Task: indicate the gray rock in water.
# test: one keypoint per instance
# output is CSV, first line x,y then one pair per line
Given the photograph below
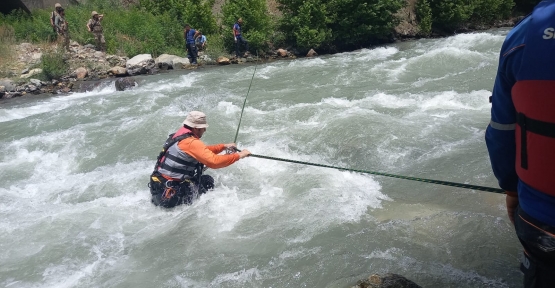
x,y
32,88
388,280
123,84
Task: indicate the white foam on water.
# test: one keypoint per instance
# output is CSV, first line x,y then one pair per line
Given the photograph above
x,y
57,103
369,55
240,277
307,63
172,83
468,41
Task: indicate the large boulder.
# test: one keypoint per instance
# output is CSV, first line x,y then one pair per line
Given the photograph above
x,y
81,73
140,64
167,61
123,84
8,84
180,62
223,60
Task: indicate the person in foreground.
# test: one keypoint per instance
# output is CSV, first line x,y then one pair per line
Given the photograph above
x,y
521,139
177,178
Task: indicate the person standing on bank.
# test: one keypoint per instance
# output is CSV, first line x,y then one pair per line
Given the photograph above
x,y
521,139
95,26
177,177
62,28
57,9
238,37
190,36
200,41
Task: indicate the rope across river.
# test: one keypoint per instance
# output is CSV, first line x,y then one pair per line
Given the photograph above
x,y
431,181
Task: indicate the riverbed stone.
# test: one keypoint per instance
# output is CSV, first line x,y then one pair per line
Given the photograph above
x,y
282,52
180,63
25,71
36,82
311,53
32,72
81,72
223,60
388,280
127,83
118,71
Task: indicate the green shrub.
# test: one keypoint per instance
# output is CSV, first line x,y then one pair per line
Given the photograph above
x,y
358,23
128,31
424,17
452,15
197,13
257,26
305,23
53,64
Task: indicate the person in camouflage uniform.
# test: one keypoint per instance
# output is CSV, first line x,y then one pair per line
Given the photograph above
x,y
62,28
94,25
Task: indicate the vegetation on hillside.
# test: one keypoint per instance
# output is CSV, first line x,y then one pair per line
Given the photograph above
x,y
156,26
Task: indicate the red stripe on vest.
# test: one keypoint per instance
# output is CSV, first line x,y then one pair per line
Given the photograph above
x,y
536,100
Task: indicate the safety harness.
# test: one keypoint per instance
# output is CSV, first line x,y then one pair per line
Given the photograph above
x,y
169,187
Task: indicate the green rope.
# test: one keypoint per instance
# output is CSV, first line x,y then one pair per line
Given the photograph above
x,y
439,182
245,102
446,183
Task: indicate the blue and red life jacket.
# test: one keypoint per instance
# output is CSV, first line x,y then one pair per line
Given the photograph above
x,y
533,96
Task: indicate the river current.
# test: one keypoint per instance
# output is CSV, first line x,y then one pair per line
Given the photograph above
x,y
75,208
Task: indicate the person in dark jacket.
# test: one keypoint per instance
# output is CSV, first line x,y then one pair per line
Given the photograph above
x,y
521,139
190,36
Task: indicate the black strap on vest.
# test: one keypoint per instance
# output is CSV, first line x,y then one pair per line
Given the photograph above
x,y
535,126
169,142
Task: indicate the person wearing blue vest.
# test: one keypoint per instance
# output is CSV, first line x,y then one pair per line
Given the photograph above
x,y
521,139
190,35
238,37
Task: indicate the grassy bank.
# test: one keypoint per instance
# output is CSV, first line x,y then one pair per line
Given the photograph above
x,y
128,31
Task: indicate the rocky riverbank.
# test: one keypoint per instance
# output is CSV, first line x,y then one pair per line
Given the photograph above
x,y
87,64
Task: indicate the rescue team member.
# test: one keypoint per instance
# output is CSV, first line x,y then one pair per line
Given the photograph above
x,y
190,36
177,178
238,37
200,41
95,26
62,28
521,139
57,9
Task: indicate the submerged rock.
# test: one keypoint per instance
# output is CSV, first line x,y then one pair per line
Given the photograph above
x,y
388,280
123,84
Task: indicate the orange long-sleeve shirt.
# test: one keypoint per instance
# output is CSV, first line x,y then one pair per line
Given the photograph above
x,y
207,155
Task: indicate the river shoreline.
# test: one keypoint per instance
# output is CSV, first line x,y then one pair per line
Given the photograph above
x,y
100,73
